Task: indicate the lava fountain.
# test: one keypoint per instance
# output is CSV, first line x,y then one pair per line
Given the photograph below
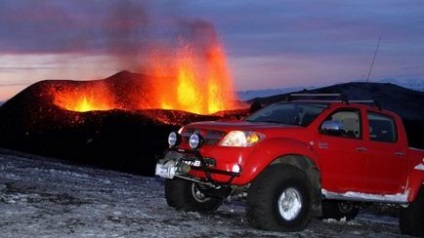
x,y
192,77
202,84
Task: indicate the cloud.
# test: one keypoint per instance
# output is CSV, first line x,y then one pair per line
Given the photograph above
x,y
247,28
332,27
71,26
281,38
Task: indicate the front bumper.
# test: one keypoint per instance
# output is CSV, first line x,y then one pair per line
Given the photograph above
x,y
191,165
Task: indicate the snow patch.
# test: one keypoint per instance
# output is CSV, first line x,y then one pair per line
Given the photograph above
x,y
396,198
419,167
343,221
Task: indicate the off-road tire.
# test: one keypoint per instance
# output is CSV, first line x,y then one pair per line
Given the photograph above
x,y
188,196
263,207
339,210
411,219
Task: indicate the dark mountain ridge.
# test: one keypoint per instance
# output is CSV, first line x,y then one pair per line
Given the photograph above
x,y
406,102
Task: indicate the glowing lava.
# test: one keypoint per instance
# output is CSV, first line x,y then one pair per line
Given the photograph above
x,y
83,99
192,76
202,83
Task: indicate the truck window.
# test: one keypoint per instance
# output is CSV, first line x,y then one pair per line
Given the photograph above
x,y
350,122
289,113
382,127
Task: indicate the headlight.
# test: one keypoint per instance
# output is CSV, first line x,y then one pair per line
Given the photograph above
x,y
174,139
241,138
195,141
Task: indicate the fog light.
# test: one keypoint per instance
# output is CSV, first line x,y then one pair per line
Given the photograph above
x,y
236,168
195,141
173,139
184,168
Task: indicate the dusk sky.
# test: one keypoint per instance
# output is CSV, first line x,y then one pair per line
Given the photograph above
x,y
269,44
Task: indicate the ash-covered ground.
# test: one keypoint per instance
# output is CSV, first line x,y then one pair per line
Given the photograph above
x,y
42,197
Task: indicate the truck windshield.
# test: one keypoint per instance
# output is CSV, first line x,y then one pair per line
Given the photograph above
x,y
288,113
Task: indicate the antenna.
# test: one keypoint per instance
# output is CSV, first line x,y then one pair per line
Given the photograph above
x,y
373,59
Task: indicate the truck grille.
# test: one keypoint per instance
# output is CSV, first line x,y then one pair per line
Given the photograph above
x,y
210,137
190,158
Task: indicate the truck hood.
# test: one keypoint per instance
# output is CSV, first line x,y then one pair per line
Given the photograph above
x,y
238,125
214,131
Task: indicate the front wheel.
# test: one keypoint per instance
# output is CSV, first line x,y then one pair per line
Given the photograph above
x,y
190,196
411,218
280,199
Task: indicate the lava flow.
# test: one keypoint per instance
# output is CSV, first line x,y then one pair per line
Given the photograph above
x,y
94,97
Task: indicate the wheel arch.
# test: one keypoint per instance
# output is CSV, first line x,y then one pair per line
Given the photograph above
x,y
411,218
415,184
304,164
281,150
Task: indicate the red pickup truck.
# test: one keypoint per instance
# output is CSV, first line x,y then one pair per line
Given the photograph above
x,y
297,159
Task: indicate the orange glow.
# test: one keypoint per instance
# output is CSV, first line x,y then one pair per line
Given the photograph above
x,y
202,82
189,78
84,99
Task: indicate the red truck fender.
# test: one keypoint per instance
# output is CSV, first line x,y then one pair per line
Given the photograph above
x,y
279,150
416,177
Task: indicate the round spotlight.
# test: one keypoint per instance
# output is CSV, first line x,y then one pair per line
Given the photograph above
x,y
236,168
195,141
173,139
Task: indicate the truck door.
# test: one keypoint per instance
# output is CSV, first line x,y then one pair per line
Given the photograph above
x,y
342,155
387,168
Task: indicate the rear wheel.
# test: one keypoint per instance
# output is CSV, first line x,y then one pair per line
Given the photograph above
x,y
190,196
411,218
339,210
280,199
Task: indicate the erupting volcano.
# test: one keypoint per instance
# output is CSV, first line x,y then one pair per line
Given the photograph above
x,y
122,121
192,77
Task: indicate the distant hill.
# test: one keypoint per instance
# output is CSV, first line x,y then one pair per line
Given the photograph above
x,y
406,102
245,95
414,84
260,93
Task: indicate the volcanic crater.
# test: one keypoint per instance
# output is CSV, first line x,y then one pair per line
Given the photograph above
x,y
115,132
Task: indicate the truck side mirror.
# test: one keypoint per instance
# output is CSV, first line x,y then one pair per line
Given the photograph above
x,y
332,128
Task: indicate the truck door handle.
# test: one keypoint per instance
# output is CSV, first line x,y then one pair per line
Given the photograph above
x,y
399,154
361,149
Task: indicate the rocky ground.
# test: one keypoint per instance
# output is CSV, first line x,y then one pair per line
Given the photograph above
x,y
42,197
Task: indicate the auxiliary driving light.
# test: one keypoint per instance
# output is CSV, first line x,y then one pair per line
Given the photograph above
x,y
173,139
195,141
184,168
